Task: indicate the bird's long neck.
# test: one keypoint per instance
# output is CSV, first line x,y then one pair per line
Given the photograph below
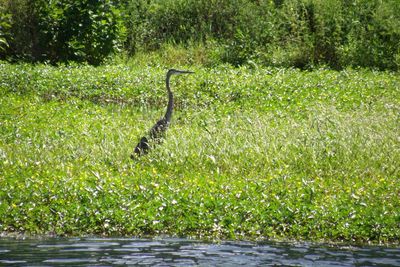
x,y
168,113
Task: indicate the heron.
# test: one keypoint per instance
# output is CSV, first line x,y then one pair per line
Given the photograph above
x,y
157,131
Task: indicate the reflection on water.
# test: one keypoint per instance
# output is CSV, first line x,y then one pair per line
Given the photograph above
x,y
183,252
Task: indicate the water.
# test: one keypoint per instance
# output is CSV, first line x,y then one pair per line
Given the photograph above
x,y
183,252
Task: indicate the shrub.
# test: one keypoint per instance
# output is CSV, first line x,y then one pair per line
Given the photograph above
x,y
288,33
373,35
152,23
4,28
62,30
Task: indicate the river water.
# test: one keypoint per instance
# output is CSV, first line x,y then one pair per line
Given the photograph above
x,y
184,252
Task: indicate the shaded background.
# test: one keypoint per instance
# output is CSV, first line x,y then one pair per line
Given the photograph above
x,y
284,33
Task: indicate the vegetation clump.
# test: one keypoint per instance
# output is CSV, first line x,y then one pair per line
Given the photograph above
x,y
251,153
281,33
288,130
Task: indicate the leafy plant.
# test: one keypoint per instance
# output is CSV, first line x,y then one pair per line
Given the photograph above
x,y
285,154
4,28
63,30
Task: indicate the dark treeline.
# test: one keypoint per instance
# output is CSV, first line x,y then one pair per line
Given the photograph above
x,y
289,33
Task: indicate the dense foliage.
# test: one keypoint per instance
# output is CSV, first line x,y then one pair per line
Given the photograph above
x,y
251,153
300,33
60,30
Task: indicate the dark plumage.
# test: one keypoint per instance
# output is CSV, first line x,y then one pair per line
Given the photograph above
x,y
157,131
141,148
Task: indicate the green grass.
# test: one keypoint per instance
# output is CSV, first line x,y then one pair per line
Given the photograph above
x,y
251,153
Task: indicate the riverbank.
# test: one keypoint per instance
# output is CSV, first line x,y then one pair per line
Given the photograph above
x,y
251,153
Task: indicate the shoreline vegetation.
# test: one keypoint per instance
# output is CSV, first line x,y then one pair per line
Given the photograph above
x,y
303,34
253,153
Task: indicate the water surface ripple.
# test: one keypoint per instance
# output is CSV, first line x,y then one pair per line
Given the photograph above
x,y
183,252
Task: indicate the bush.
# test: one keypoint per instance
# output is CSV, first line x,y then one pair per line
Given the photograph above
x,y
62,30
288,33
299,33
373,35
152,23
4,28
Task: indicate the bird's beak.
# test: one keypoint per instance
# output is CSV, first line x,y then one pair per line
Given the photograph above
x,y
186,71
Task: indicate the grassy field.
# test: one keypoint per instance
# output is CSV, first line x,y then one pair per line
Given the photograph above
x,y
251,153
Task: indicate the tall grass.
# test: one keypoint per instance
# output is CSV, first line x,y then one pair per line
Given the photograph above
x,y
250,154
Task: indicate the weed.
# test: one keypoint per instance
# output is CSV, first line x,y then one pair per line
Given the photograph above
x,y
251,153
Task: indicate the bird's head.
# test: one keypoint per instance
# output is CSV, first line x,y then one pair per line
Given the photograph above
x,y
178,72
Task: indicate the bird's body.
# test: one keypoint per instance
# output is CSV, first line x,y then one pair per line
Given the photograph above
x,y
157,131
